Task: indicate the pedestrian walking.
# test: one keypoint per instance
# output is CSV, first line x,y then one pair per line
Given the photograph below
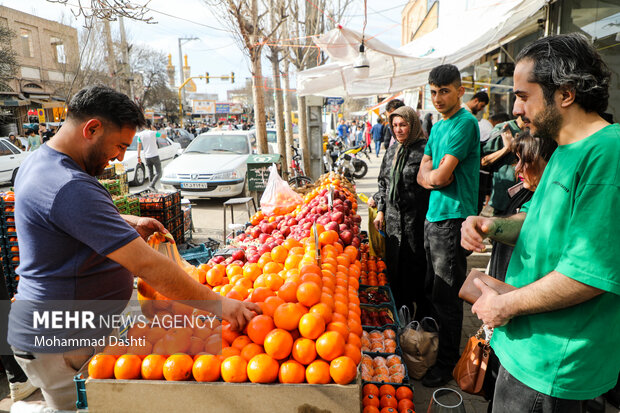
x,y
147,141
565,263
450,169
377,134
34,140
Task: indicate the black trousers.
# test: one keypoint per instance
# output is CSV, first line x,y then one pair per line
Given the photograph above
x,y
154,163
447,265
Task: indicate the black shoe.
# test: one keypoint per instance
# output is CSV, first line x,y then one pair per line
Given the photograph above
x,y
436,377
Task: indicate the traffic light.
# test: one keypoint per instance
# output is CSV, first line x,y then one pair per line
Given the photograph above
x,y
232,77
207,76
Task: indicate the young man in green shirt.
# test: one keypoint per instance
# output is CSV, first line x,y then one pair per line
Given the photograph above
x,y
557,334
450,169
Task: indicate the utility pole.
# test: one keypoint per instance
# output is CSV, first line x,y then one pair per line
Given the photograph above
x,y
182,41
125,56
110,56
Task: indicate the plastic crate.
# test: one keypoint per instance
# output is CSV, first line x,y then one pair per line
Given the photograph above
x,y
198,255
165,216
382,329
376,308
213,244
113,186
177,234
158,201
108,173
386,290
405,374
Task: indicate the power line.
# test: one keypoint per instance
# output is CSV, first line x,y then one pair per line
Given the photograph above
x,y
378,11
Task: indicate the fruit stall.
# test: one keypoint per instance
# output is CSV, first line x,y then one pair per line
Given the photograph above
x,y
327,338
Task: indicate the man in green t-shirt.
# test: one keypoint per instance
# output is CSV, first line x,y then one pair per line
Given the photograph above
x,y
34,140
450,169
557,334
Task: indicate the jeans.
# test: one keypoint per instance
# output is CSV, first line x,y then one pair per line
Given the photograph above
x,y
14,373
151,163
377,147
513,396
446,268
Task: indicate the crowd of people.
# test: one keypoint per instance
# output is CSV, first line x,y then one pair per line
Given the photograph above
x,y
550,180
34,137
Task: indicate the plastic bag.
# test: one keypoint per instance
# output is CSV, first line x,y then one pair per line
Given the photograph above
x,y
419,342
278,197
376,238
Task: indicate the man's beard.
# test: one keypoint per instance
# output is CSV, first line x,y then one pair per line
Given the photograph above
x,y
95,162
548,123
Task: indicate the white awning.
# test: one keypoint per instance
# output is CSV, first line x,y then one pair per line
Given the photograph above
x,y
393,70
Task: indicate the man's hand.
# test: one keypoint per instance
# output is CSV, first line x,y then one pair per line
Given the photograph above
x,y
489,307
379,221
507,137
473,231
238,313
145,226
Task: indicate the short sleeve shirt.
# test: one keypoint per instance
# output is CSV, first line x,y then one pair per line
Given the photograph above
x,y
148,139
458,136
572,227
66,225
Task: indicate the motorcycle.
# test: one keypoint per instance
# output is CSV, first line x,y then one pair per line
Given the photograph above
x,y
343,160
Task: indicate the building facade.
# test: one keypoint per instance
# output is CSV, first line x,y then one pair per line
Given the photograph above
x,y
47,56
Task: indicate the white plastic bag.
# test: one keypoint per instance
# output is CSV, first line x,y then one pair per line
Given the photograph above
x,y
278,197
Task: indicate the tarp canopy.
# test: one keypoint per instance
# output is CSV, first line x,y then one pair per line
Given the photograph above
x,y
472,34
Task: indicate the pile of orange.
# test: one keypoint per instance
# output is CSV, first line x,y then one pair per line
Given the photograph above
x,y
372,269
381,369
387,399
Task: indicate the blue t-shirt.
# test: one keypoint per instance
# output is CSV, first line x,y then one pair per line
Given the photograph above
x,y
66,225
343,130
458,136
377,132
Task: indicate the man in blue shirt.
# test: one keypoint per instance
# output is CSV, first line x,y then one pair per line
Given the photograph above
x,y
377,135
75,246
343,130
450,169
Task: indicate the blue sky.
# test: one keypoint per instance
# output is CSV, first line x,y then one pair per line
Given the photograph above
x,y
216,51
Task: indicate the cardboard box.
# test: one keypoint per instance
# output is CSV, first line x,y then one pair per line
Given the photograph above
x,y
166,396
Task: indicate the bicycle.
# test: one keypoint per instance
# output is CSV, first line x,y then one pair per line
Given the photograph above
x,y
298,179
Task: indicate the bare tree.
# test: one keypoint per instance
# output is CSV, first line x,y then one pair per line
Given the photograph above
x,y
311,20
109,9
151,65
248,26
8,57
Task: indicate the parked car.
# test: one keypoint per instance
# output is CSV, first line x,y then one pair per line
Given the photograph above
x,y
136,172
11,158
272,140
212,166
180,136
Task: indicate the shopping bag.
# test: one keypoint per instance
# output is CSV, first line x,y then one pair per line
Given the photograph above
x,y
375,238
419,342
278,197
471,368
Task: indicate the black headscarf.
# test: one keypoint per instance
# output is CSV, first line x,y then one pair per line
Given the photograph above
x,y
415,132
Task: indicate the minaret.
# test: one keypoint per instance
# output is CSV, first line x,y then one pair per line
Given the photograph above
x,y
171,70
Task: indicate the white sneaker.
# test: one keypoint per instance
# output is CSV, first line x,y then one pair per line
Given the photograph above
x,y
35,407
21,390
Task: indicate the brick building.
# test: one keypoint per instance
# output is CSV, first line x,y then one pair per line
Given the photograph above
x,y
47,56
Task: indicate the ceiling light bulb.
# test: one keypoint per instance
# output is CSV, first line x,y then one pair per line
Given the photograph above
x,y
361,64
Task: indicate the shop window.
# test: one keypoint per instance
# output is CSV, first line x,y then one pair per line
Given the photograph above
x,y
26,39
58,50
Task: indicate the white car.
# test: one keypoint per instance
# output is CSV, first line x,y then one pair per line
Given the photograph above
x,y
136,173
212,166
272,139
11,158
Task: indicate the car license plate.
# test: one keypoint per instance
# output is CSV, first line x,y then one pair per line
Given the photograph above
x,y
195,185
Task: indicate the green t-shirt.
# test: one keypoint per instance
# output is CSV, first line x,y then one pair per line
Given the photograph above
x,y
34,141
458,136
572,227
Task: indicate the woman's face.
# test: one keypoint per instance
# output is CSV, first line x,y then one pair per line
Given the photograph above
x,y
400,129
530,174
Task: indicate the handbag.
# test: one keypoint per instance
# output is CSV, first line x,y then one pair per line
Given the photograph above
x,y
471,368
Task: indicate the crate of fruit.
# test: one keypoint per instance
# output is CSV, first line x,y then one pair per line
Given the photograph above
x,y
165,216
378,316
380,369
108,173
160,200
376,296
394,396
380,340
119,201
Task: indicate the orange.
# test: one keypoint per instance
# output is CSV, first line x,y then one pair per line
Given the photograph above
x,y
278,344
234,370
251,271
370,389
178,367
263,369
206,368
259,327
291,243
260,294
240,342
101,366
229,352
288,292
270,305
353,352
355,340
215,276
292,372
328,237
311,325
339,327
304,351
343,370
232,270
272,267
323,310
287,316
152,367
213,344
114,350
308,293
127,367
387,389
251,350
264,260
330,345
310,276
310,268
388,401
371,400
227,332
279,254
404,392
292,261
154,334
274,282
405,405
371,409
318,372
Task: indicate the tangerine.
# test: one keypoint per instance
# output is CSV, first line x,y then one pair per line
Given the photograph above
x,y
318,372
304,351
259,327
178,367
404,392
343,370
387,389
101,366
279,254
370,389
234,370
278,344
288,292
311,325
308,293
251,350
292,371
206,368
127,367
153,367
262,368
287,316
330,345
